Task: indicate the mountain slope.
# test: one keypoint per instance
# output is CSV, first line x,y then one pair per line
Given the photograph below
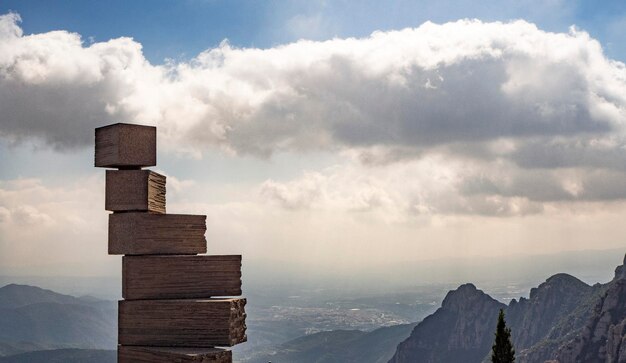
x,y
346,346
379,345
33,319
549,303
563,319
603,337
460,331
15,296
546,320
63,356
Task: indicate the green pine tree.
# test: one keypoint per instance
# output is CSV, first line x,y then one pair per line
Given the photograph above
x,y
502,350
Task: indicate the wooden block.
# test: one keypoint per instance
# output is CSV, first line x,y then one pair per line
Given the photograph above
x,y
182,323
159,234
139,354
180,277
134,190
125,146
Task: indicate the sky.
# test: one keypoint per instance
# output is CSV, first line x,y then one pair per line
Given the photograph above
x,y
324,135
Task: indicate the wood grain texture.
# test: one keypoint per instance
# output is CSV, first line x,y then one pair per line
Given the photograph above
x,y
139,354
147,233
134,190
125,146
182,323
180,277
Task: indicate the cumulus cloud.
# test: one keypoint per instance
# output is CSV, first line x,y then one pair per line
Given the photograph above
x,y
465,81
29,203
441,184
432,185
43,225
514,116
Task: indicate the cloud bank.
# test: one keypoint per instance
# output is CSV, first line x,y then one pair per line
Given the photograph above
x,y
461,82
463,117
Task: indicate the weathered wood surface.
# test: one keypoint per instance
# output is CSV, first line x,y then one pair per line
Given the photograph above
x,y
180,277
125,146
134,190
147,233
142,354
182,323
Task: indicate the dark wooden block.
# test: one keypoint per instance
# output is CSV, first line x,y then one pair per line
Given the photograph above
x,y
156,234
139,354
134,190
180,277
182,323
125,146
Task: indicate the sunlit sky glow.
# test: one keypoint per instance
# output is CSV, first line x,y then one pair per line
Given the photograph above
x,y
325,133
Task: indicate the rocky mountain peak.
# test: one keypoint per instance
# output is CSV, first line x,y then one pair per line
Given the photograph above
x,y
563,318
460,331
603,339
559,285
466,297
546,313
620,271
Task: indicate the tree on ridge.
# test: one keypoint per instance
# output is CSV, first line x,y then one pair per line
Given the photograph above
x,y
502,350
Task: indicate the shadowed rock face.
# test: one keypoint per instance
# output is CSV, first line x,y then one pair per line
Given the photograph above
x,y
33,318
553,311
563,319
603,338
620,271
460,331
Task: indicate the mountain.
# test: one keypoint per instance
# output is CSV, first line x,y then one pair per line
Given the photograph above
x,y
349,346
563,320
603,337
15,296
460,331
64,356
35,319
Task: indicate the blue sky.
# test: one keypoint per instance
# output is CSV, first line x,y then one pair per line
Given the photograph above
x,y
325,133
182,29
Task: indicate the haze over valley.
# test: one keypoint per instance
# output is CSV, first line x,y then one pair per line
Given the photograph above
x,y
392,181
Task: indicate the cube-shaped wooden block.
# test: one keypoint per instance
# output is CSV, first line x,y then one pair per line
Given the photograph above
x,y
134,190
143,354
182,323
125,146
133,233
180,277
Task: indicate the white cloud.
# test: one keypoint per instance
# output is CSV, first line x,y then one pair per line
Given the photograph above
x,y
436,129
42,225
514,116
433,185
393,88
5,214
28,215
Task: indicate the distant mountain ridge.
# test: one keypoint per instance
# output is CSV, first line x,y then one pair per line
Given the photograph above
x,y
15,296
346,346
64,356
563,320
32,318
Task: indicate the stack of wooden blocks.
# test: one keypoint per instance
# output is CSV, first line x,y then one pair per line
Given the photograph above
x,y
169,312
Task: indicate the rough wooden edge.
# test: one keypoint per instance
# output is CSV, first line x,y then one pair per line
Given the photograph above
x,y
167,315
144,354
154,276
135,233
135,191
111,152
